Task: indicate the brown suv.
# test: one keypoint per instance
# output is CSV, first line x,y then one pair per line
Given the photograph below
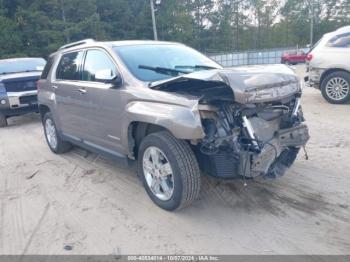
x,y
173,110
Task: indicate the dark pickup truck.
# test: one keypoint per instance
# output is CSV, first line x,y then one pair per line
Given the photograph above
x,y
18,92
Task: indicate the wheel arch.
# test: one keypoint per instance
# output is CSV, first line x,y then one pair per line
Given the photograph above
x,y
137,130
182,122
330,71
43,109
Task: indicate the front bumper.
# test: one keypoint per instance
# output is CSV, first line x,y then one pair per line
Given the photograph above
x,y
226,165
296,137
17,103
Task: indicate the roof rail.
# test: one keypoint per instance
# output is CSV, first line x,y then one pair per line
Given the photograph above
x,y
81,42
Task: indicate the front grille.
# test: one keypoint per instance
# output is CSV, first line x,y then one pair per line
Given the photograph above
x,y
20,86
28,99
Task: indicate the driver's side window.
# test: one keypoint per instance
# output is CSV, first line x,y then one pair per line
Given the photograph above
x,y
98,67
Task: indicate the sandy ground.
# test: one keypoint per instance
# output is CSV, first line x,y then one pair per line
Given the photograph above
x,y
94,206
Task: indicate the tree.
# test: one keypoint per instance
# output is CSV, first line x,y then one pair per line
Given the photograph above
x,y
38,27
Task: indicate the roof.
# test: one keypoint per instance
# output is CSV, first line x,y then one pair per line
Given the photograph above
x,y
344,29
90,42
139,42
19,59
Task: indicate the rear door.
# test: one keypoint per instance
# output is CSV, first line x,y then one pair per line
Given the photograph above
x,y
69,105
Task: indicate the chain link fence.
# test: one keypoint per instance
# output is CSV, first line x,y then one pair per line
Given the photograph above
x,y
253,57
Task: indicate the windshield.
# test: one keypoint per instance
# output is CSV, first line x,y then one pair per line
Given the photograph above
x,y
21,65
161,61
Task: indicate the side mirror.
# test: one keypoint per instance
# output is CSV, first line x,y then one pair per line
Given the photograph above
x,y
109,77
117,81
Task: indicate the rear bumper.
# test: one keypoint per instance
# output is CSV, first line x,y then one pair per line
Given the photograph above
x,y
310,83
313,79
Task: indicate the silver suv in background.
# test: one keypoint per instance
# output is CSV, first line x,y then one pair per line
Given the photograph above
x,y
174,111
18,92
328,65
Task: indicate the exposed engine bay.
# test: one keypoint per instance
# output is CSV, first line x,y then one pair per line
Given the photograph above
x,y
252,119
251,140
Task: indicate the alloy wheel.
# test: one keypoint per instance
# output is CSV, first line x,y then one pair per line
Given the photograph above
x,y
337,88
51,134
158,173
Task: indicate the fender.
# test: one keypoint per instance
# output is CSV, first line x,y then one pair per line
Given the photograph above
x,y
47,98
183,122
332,69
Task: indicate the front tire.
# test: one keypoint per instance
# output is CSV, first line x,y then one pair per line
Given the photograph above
x,y
335,87
169,171
3,120
55,143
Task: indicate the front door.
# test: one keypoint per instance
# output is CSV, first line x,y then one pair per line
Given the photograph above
x,y
103,117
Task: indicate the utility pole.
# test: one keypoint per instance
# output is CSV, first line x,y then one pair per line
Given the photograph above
x,y
64,22
312,15
154,21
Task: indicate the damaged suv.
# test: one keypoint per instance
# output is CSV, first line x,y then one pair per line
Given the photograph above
x,y
173,110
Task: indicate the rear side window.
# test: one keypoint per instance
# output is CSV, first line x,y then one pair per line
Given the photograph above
x,y
47,68
69,66
341,41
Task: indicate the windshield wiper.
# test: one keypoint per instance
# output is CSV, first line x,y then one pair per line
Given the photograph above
x,y
196,67
164,70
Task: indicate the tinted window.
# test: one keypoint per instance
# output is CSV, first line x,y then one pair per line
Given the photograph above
x,y
18,65
47,68
177,57
342,40
98,67
68,68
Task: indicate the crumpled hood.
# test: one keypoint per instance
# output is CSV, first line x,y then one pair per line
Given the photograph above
x,y
250,84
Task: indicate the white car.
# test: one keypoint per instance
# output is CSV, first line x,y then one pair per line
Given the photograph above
x,y
329,66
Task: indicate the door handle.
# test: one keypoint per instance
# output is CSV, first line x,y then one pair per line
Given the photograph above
x,y
82,91
54,87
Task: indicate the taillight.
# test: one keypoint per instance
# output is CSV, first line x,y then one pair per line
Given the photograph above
x,y
37,85
309,57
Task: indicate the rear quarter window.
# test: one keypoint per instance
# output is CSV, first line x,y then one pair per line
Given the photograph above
x,y
340,41
47,68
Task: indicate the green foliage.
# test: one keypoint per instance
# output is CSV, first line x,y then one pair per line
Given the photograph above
x,y
39,27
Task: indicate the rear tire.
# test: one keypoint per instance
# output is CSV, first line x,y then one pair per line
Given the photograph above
x,y
3,120
54,141
335,87
184,181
